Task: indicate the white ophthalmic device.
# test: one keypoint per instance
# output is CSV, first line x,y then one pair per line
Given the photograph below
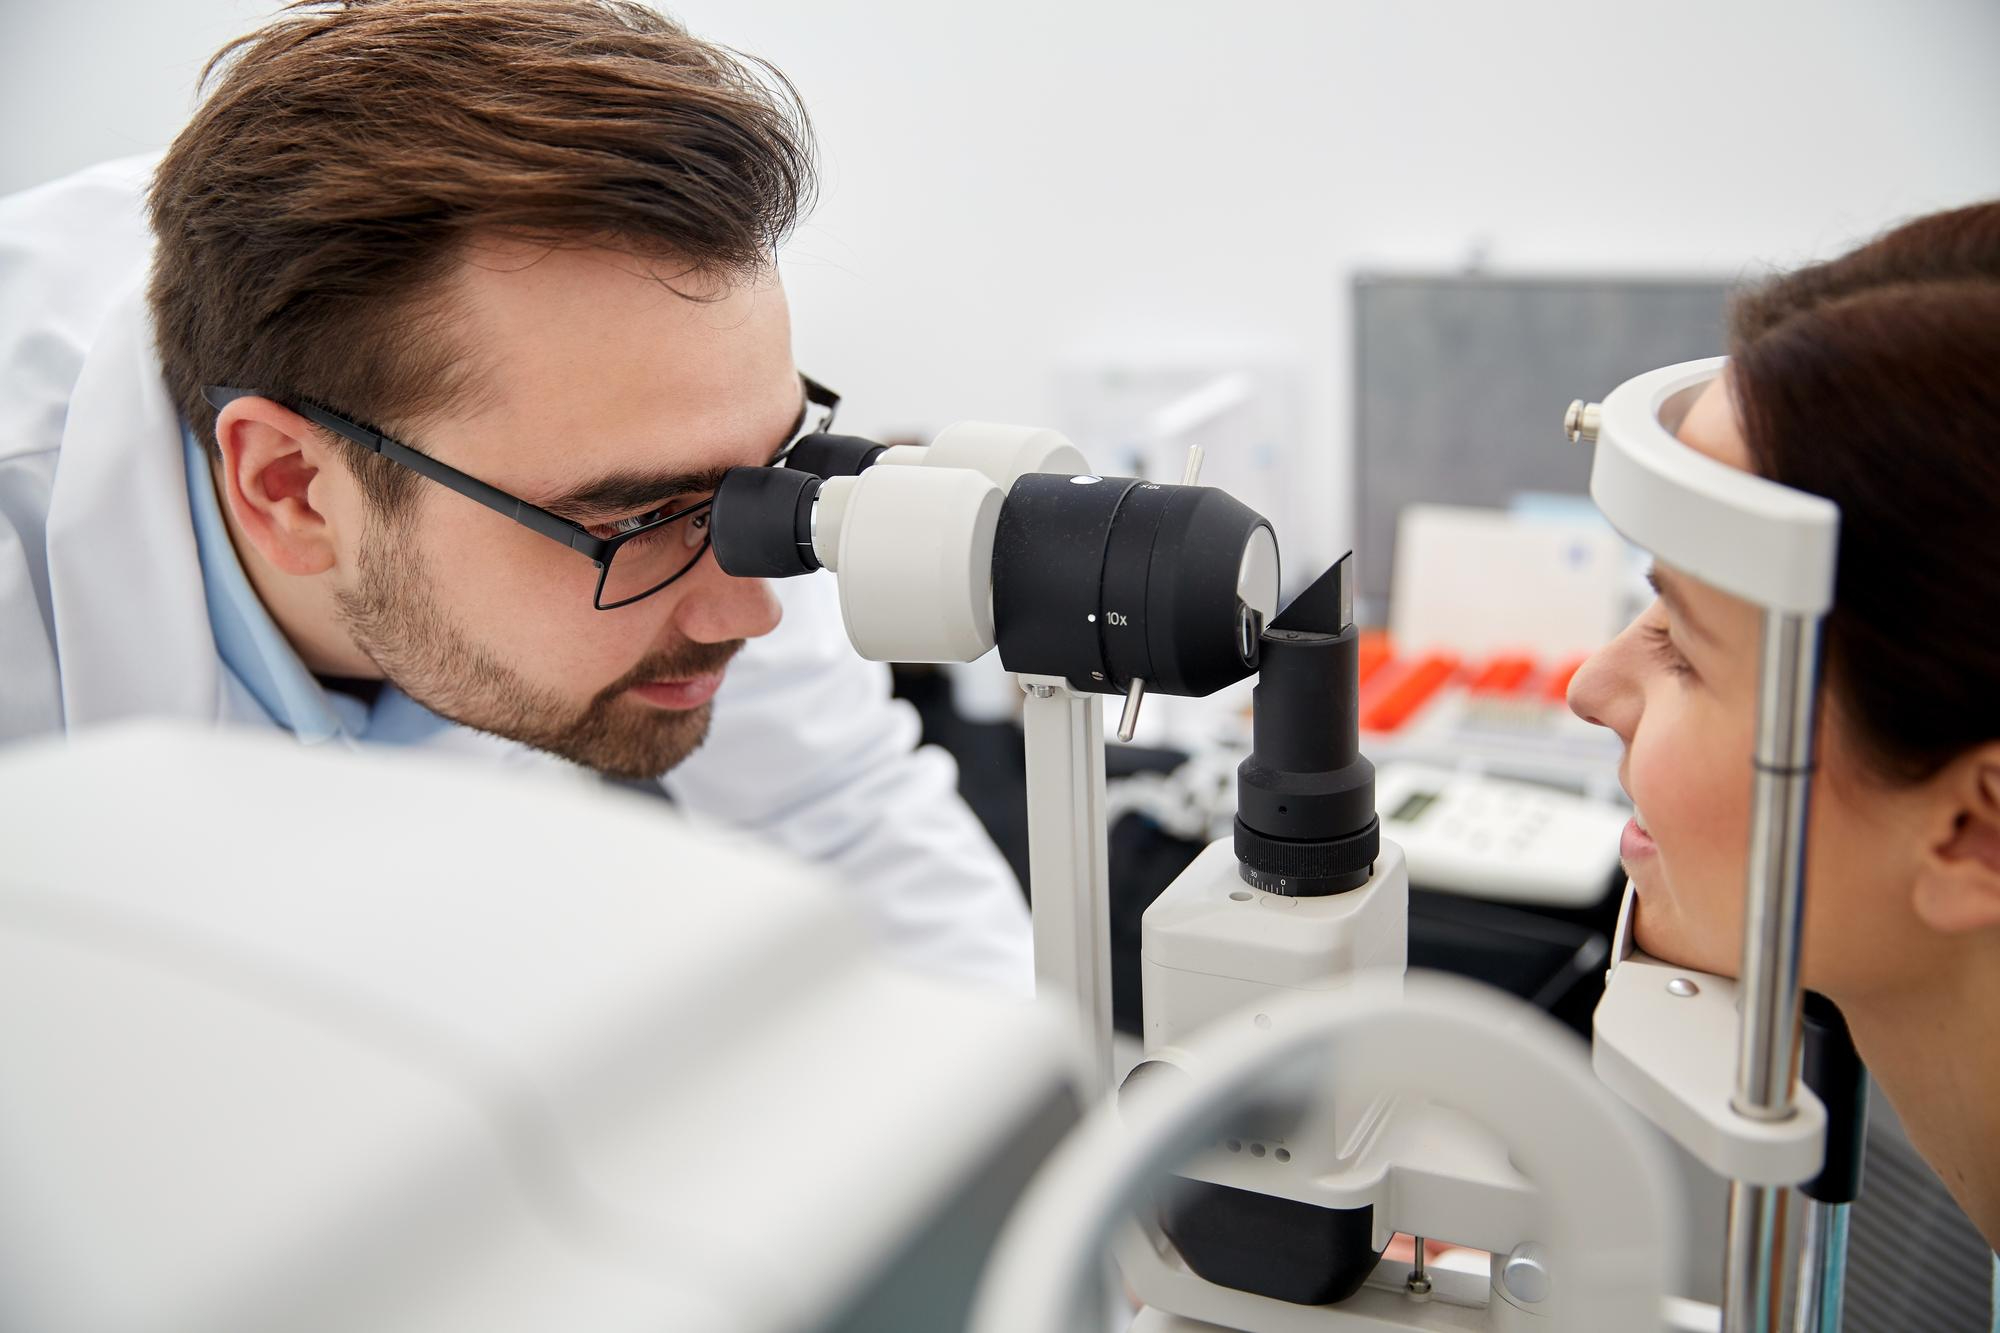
x,y
1280,956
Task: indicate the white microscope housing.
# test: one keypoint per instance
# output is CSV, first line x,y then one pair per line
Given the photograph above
x,y
506,1053
1279,1222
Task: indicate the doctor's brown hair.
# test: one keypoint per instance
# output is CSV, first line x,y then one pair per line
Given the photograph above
x,y
1874,380
309,216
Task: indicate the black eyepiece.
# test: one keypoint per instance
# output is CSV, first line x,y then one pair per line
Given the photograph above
x,y
833,455
760,522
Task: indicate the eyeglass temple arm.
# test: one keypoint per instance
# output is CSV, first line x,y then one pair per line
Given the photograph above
x,y
541,520
818,394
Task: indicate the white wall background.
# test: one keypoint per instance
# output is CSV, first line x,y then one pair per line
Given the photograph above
x,y
1005,184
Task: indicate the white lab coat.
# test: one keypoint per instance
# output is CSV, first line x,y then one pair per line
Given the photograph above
x,y
103,614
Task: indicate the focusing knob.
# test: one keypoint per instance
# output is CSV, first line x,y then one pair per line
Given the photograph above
x,y
1315,869
1105,581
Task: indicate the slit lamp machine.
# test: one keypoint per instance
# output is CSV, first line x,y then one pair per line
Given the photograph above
x,y
1277,1014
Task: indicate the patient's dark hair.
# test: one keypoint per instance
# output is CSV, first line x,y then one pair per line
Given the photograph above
x,y
1874,380
310,213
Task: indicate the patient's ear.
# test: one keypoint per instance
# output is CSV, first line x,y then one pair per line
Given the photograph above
x,y
271,456
1958,878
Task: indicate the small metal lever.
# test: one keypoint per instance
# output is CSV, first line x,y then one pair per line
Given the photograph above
x,y
1128,721
1193,469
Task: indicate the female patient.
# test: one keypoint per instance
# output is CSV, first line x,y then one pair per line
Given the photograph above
x,y
1873,380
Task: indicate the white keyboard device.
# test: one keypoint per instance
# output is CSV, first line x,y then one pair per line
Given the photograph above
x,y
1486,837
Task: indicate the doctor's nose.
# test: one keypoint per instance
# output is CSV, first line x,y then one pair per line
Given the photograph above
x,y
717,607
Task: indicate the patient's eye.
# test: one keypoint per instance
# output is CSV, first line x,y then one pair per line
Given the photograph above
x,y
1670,656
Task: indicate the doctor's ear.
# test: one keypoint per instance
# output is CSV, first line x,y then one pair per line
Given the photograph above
x,y
1958,880
275,466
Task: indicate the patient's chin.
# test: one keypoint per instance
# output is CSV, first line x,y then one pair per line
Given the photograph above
x,y
1661,934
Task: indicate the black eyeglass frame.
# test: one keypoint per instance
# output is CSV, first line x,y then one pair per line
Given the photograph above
x,y
599,550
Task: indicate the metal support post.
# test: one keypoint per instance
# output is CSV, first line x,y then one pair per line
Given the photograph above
x,y
1069,874
1753,1274
1822,1268
1768,1042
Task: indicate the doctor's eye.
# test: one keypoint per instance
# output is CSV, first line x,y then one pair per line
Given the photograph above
x,y
620,526
689,523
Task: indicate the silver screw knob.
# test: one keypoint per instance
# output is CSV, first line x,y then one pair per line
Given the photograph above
x,y
1524,1274
1418,1285
1581,421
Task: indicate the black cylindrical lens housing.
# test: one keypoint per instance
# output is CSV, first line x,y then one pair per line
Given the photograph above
x,y
1305,777
833,455
1107,580
1305,798
760,522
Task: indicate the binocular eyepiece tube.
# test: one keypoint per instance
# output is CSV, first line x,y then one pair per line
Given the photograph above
x,y
1102,581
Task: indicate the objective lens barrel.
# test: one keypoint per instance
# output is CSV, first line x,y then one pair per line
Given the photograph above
x,y
1305,798
1108,580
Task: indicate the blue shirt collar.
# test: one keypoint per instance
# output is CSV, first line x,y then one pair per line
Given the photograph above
x,y
258,655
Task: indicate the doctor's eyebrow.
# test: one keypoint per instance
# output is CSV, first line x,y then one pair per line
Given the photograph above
x,y
1669,590
622,493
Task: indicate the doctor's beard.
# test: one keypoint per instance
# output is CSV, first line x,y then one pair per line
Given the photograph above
x,y
395,618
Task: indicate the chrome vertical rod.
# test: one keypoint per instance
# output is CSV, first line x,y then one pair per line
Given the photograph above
x,y
1822,1268
1774,898
1773,921
1753,1274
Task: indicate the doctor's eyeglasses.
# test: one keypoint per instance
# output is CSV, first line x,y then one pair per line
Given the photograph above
x,y
635,557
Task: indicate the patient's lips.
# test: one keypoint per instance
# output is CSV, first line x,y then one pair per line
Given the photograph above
x,y
1636,842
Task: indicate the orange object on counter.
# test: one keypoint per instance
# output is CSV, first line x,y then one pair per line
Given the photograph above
x,y
1503,675
1373,653
1412,692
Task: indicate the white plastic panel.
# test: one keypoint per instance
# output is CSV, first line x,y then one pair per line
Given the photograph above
x,y
1747,535
1005,453
516,1053
1673,1057
1209,924
916,563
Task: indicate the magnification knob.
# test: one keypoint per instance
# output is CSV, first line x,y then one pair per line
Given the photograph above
x,y
1106,581
1525,1275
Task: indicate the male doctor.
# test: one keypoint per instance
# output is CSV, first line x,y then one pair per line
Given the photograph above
x,y
399,432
